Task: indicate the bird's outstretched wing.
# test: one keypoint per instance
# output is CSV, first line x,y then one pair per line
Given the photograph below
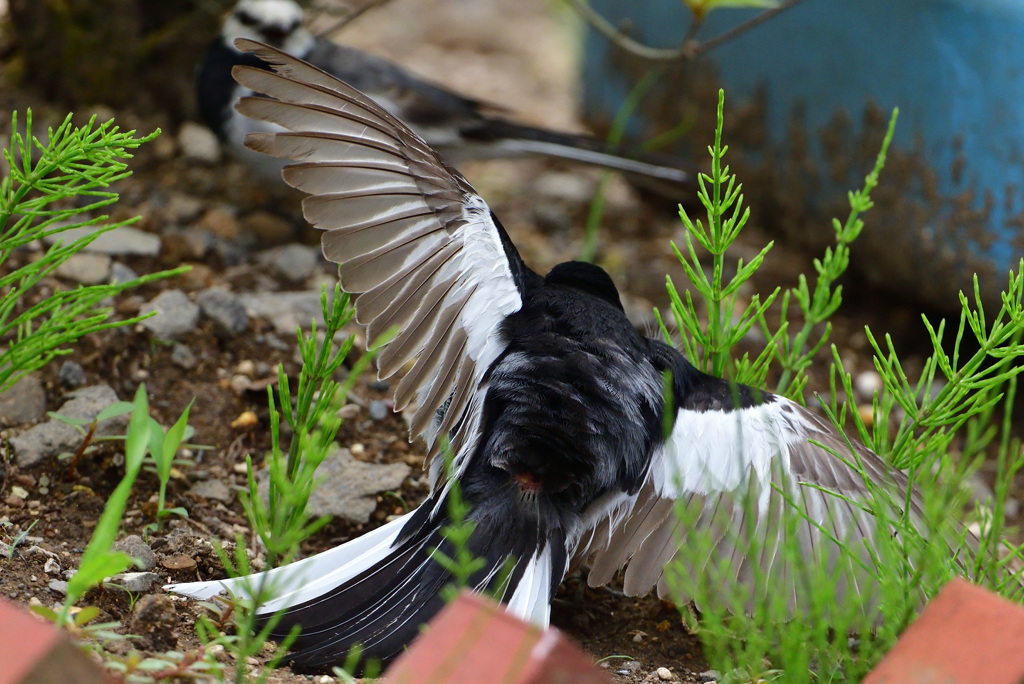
x,y
732,473
419,247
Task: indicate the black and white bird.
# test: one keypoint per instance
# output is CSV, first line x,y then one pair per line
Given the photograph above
x,y
552,402
461,128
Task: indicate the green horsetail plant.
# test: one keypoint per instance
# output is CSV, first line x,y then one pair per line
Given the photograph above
x,y
52,187
832,629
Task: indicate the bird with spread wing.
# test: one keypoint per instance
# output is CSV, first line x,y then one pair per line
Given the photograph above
x,y
553,404
461,127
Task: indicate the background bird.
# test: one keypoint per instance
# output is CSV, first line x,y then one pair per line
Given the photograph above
x,y
461,128
553,404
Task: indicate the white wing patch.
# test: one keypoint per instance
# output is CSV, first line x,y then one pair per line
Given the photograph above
x,y
733,471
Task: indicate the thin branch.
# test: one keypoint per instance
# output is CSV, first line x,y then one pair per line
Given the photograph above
x,y
689,48
351,16
756,20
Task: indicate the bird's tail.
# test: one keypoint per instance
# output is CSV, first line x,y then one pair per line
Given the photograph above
x,y
660,173
377,590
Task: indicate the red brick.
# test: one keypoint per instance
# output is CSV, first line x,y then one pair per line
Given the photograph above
x,y
34,651
965,635
474,640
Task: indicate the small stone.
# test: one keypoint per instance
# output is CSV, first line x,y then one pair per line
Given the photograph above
x,y
212,489
136,547
182,208
119,273
86,267
198,143
57,586
135,582
176,315
665,674
268,229
246,419
51,567
349,489
286,310
23,402
379,410
155,620
221,222
71,375
868,383
710,676
119,241
182,357
292,262
179,562
225,310
19,492
867,414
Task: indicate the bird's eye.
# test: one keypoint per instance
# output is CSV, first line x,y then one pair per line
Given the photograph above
x,y
246,19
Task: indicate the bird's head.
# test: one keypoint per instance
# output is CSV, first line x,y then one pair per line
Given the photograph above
x,y
275,22
586,277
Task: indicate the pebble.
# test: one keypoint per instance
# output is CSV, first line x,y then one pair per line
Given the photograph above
x,y
119,241
294,262
23,402
57,586
179,562
867,383
176,315
710,676
51,567
119,273
48,439
221,222
86,267
225,310
286,310
212,489
135,582
71,375
182,357
198,143
181,208
665,674
136,547
268,229
246,419
379,410
350,487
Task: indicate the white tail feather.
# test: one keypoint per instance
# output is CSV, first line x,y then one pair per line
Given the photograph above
x,y
308,578
531,600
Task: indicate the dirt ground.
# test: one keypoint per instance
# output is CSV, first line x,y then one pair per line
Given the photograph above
x,y
542,204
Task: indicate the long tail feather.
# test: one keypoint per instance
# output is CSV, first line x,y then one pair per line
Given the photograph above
x,y
376,591
659,173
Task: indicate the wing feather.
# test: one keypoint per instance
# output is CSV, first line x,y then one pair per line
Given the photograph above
x,y
415,243
732,471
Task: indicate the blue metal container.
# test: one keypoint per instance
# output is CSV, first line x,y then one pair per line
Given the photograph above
x,y
951,202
